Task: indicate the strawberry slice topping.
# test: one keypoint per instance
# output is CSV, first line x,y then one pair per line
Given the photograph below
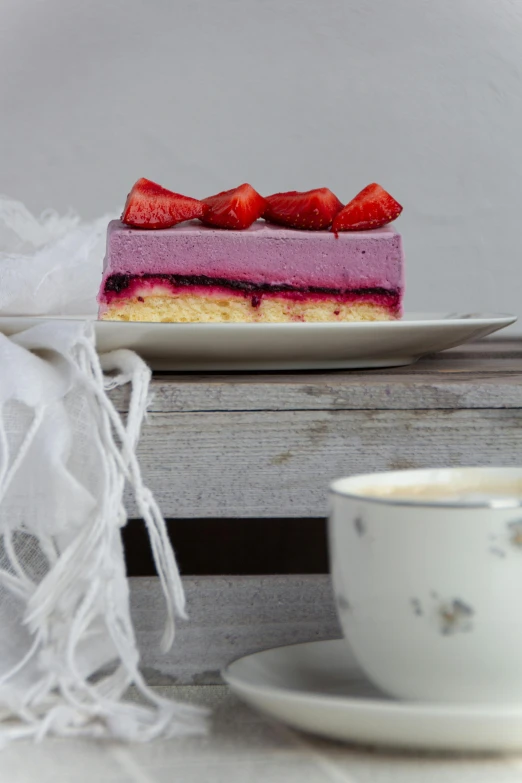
x,y
312,210
371,208
235,209
149,205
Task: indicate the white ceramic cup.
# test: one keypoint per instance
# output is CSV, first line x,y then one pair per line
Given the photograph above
x,y
429,591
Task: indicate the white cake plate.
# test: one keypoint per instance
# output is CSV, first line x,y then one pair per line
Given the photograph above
x,y
289,346
317,688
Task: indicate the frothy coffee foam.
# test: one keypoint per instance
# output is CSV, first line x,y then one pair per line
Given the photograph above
x,y
471,491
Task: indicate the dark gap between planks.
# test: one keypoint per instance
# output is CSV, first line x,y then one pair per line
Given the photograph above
x,y
234,546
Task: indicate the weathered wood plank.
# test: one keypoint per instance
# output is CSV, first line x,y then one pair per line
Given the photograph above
x,y
229,617
482,375
277,464
368,393
494,345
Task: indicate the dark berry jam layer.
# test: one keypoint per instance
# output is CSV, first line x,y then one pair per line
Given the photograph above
x,y
117,286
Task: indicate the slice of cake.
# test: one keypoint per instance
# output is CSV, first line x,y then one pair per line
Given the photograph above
x,y
234,270
264,273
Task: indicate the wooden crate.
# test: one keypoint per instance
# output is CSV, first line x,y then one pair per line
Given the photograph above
x,y
267,445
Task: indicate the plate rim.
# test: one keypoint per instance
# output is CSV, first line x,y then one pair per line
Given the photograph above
x,y
277,347
421,319
361,704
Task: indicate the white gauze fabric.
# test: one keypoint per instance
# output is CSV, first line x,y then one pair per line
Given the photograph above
x,y
50,265
65,456
68,651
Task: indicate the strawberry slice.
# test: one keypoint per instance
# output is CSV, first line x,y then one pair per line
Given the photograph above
x,y
371,208
313,209
149,205
235,209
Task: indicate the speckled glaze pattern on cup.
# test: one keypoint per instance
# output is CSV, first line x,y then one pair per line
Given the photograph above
x,y
429,593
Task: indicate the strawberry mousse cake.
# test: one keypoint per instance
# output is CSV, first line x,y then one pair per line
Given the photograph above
x,y
241,257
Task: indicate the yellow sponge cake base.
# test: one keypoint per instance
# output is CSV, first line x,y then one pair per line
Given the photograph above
x,y
192,308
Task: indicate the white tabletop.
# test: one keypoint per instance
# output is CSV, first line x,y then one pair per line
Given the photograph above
x,y
242,747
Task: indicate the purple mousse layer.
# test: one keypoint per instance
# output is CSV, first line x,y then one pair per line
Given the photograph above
x,y
262,255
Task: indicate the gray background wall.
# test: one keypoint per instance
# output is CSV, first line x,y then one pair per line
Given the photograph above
x,y
424,96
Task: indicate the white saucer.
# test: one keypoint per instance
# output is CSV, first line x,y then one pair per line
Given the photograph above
x,y
317,688
290,346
